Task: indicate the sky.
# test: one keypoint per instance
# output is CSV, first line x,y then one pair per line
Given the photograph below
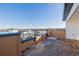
x,y
31,15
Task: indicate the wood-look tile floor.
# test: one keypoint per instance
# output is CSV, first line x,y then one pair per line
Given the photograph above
x,y
50,47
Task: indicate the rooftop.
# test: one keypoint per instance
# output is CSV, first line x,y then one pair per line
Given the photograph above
x,y
67,8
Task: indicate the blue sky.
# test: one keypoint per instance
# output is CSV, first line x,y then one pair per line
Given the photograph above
x,y
30,15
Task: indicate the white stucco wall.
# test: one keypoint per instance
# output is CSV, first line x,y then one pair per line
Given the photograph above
x,y
72,26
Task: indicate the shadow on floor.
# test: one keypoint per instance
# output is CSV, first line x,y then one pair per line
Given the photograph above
x,y
51,47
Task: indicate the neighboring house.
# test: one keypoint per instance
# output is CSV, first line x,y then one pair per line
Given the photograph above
x,y
29,33
71,16
12,30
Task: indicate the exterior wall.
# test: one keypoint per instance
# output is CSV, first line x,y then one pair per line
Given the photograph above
x,y
9,45
58,33
72,26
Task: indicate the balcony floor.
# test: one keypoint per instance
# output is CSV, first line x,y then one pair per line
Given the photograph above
x,y
51,47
